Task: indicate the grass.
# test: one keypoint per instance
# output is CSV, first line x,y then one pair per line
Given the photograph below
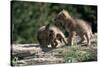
x,y
80,54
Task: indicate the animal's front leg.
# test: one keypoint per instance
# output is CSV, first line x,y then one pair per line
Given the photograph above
x,y
52,44
71,38
56,43
61,38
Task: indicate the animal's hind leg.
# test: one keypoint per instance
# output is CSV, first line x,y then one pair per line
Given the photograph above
x,y
82,38
88,39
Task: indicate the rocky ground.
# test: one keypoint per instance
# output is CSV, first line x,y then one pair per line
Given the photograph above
x,y
32,54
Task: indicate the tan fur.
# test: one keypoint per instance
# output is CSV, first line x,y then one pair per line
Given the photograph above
x,y
50,36
74,26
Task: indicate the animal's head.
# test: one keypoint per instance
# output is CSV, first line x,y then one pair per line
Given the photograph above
x,y
61,17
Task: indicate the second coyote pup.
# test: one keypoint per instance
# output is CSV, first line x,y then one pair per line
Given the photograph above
x,y
49,35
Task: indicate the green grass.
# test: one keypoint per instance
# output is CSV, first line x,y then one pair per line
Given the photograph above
x,y
82,54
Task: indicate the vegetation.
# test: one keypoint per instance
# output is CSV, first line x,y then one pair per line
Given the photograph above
x,y
14,61
27,17
76,54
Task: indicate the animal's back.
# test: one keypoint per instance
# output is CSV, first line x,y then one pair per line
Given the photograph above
x,y
56,30
83,26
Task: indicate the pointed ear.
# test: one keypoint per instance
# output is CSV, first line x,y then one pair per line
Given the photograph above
x,y
63,14
63,9
47,26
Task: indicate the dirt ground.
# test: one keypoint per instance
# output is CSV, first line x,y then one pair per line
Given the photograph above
x,y
32,54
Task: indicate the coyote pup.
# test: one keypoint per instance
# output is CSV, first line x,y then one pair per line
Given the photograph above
x,y
74,26
49,35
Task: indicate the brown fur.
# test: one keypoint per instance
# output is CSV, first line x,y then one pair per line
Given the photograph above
x,y
50,36
74,26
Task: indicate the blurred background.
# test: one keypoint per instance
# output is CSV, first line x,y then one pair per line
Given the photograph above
x,y
28,17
